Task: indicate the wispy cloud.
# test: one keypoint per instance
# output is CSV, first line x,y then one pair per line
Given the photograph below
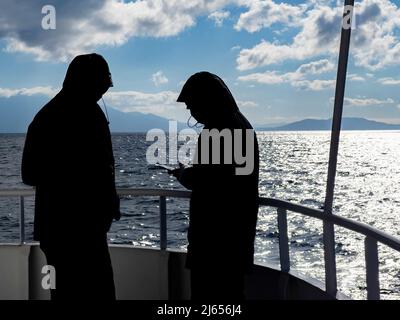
x,y
297,78
355,77
218,17
159,78
128,101
247,104
389,81
315,85
43,91
365,102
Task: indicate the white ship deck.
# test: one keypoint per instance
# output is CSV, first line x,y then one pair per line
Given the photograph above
x,y
145,274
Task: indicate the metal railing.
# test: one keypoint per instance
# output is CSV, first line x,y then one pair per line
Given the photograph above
x,y
372,235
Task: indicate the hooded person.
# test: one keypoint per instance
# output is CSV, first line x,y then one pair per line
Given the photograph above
x,y
68,158
224,200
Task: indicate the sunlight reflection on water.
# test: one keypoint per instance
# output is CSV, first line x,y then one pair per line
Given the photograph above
x,y
293,167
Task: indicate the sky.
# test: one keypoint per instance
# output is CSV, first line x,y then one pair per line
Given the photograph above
x,y
279,58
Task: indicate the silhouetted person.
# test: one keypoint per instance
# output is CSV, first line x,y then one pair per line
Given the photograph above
x,y
68,157
224,204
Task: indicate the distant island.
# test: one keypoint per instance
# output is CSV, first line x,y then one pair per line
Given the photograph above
x,y
318,125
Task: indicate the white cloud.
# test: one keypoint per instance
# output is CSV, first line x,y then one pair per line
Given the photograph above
x,y
316,67
355,77
315,38
265,53
315,85
268,77
365,102
374,42
218,17
85,25
159,78
44,91
262,14
128,101
389,81
247,104
298,77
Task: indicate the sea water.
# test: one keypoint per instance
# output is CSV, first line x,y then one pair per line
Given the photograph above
x,y
293,167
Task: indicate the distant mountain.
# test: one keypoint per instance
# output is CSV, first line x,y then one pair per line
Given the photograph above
x,y
137,121
16,113
347,124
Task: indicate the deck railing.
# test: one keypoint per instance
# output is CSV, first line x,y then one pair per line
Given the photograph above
x,y
372,235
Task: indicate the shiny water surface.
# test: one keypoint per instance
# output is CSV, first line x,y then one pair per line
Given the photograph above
x,y
293,167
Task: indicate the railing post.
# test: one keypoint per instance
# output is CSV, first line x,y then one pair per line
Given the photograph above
x,y
330,258
21,220
329,235
283,240
163,222
372,265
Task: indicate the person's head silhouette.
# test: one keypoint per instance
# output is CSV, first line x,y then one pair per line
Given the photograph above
x,y
88,76
208,98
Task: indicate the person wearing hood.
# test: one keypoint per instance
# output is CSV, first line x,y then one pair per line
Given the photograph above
x,y
224,200
68,158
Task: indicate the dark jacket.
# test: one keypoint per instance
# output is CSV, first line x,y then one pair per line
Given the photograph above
x,y
223,208
68,157
224,204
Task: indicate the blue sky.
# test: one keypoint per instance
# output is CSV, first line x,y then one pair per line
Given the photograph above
x,y
279,58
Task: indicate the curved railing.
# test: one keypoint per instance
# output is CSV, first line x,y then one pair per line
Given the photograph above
x,y
372,235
